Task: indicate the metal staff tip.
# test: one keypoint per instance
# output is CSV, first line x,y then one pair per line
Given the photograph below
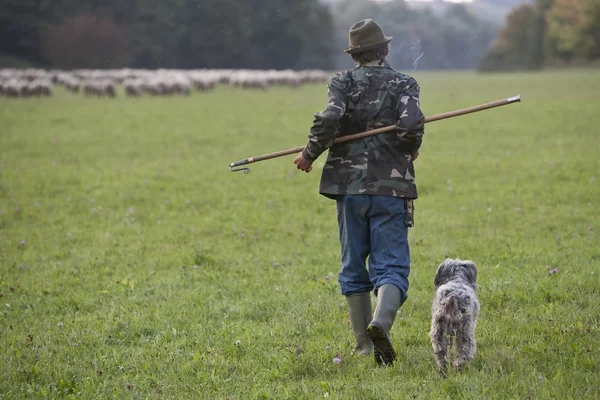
x,y
514,99
238,163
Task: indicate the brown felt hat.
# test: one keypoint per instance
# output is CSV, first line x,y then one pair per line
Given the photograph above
x,y
365,35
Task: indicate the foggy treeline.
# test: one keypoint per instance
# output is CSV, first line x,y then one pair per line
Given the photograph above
x,y
299,34
431,37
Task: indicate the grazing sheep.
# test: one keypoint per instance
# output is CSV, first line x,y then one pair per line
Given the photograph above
x,y
138,82
73,85
39,88
99,89
133,88
249,80
90,89
14,88
110,89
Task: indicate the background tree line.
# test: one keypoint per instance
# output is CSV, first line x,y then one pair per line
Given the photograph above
x,y
280,34
231,34
166,34
546,32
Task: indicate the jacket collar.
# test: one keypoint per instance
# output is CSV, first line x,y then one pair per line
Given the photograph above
x,y
376,63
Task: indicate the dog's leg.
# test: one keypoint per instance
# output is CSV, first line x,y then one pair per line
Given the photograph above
x,y
450,339
465,344
439,341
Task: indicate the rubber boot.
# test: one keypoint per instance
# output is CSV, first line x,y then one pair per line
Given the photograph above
x,y
359,308
388,302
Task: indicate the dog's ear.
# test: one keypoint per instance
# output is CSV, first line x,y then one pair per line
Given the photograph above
x,y
437,281
444,271
470,271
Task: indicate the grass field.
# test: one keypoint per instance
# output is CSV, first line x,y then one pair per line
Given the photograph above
x,y
133,264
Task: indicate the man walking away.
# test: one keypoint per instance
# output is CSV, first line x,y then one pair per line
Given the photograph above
x,y
373,182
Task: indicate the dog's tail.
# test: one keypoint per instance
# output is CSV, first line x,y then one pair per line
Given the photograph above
x,y
451,305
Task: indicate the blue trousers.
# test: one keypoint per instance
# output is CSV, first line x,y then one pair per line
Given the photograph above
x,y
373,227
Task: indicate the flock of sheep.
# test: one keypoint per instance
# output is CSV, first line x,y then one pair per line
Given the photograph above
x,y
137,82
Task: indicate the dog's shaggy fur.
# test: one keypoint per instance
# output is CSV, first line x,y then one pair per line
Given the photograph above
x,y
454,313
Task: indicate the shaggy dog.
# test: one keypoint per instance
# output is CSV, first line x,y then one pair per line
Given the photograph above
x,y
454,313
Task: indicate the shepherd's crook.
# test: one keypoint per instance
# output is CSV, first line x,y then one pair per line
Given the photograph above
x,y
450,114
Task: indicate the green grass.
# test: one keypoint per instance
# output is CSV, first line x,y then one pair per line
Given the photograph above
x,y
148,270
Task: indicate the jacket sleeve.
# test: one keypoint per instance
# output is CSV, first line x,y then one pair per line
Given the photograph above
x,y
410,125
326,124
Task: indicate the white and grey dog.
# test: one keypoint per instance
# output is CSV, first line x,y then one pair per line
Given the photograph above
x,y
454,313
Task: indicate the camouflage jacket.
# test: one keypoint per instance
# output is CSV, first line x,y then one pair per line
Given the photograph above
x,y
360,99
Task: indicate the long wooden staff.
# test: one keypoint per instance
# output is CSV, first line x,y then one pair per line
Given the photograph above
x,y
372,132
